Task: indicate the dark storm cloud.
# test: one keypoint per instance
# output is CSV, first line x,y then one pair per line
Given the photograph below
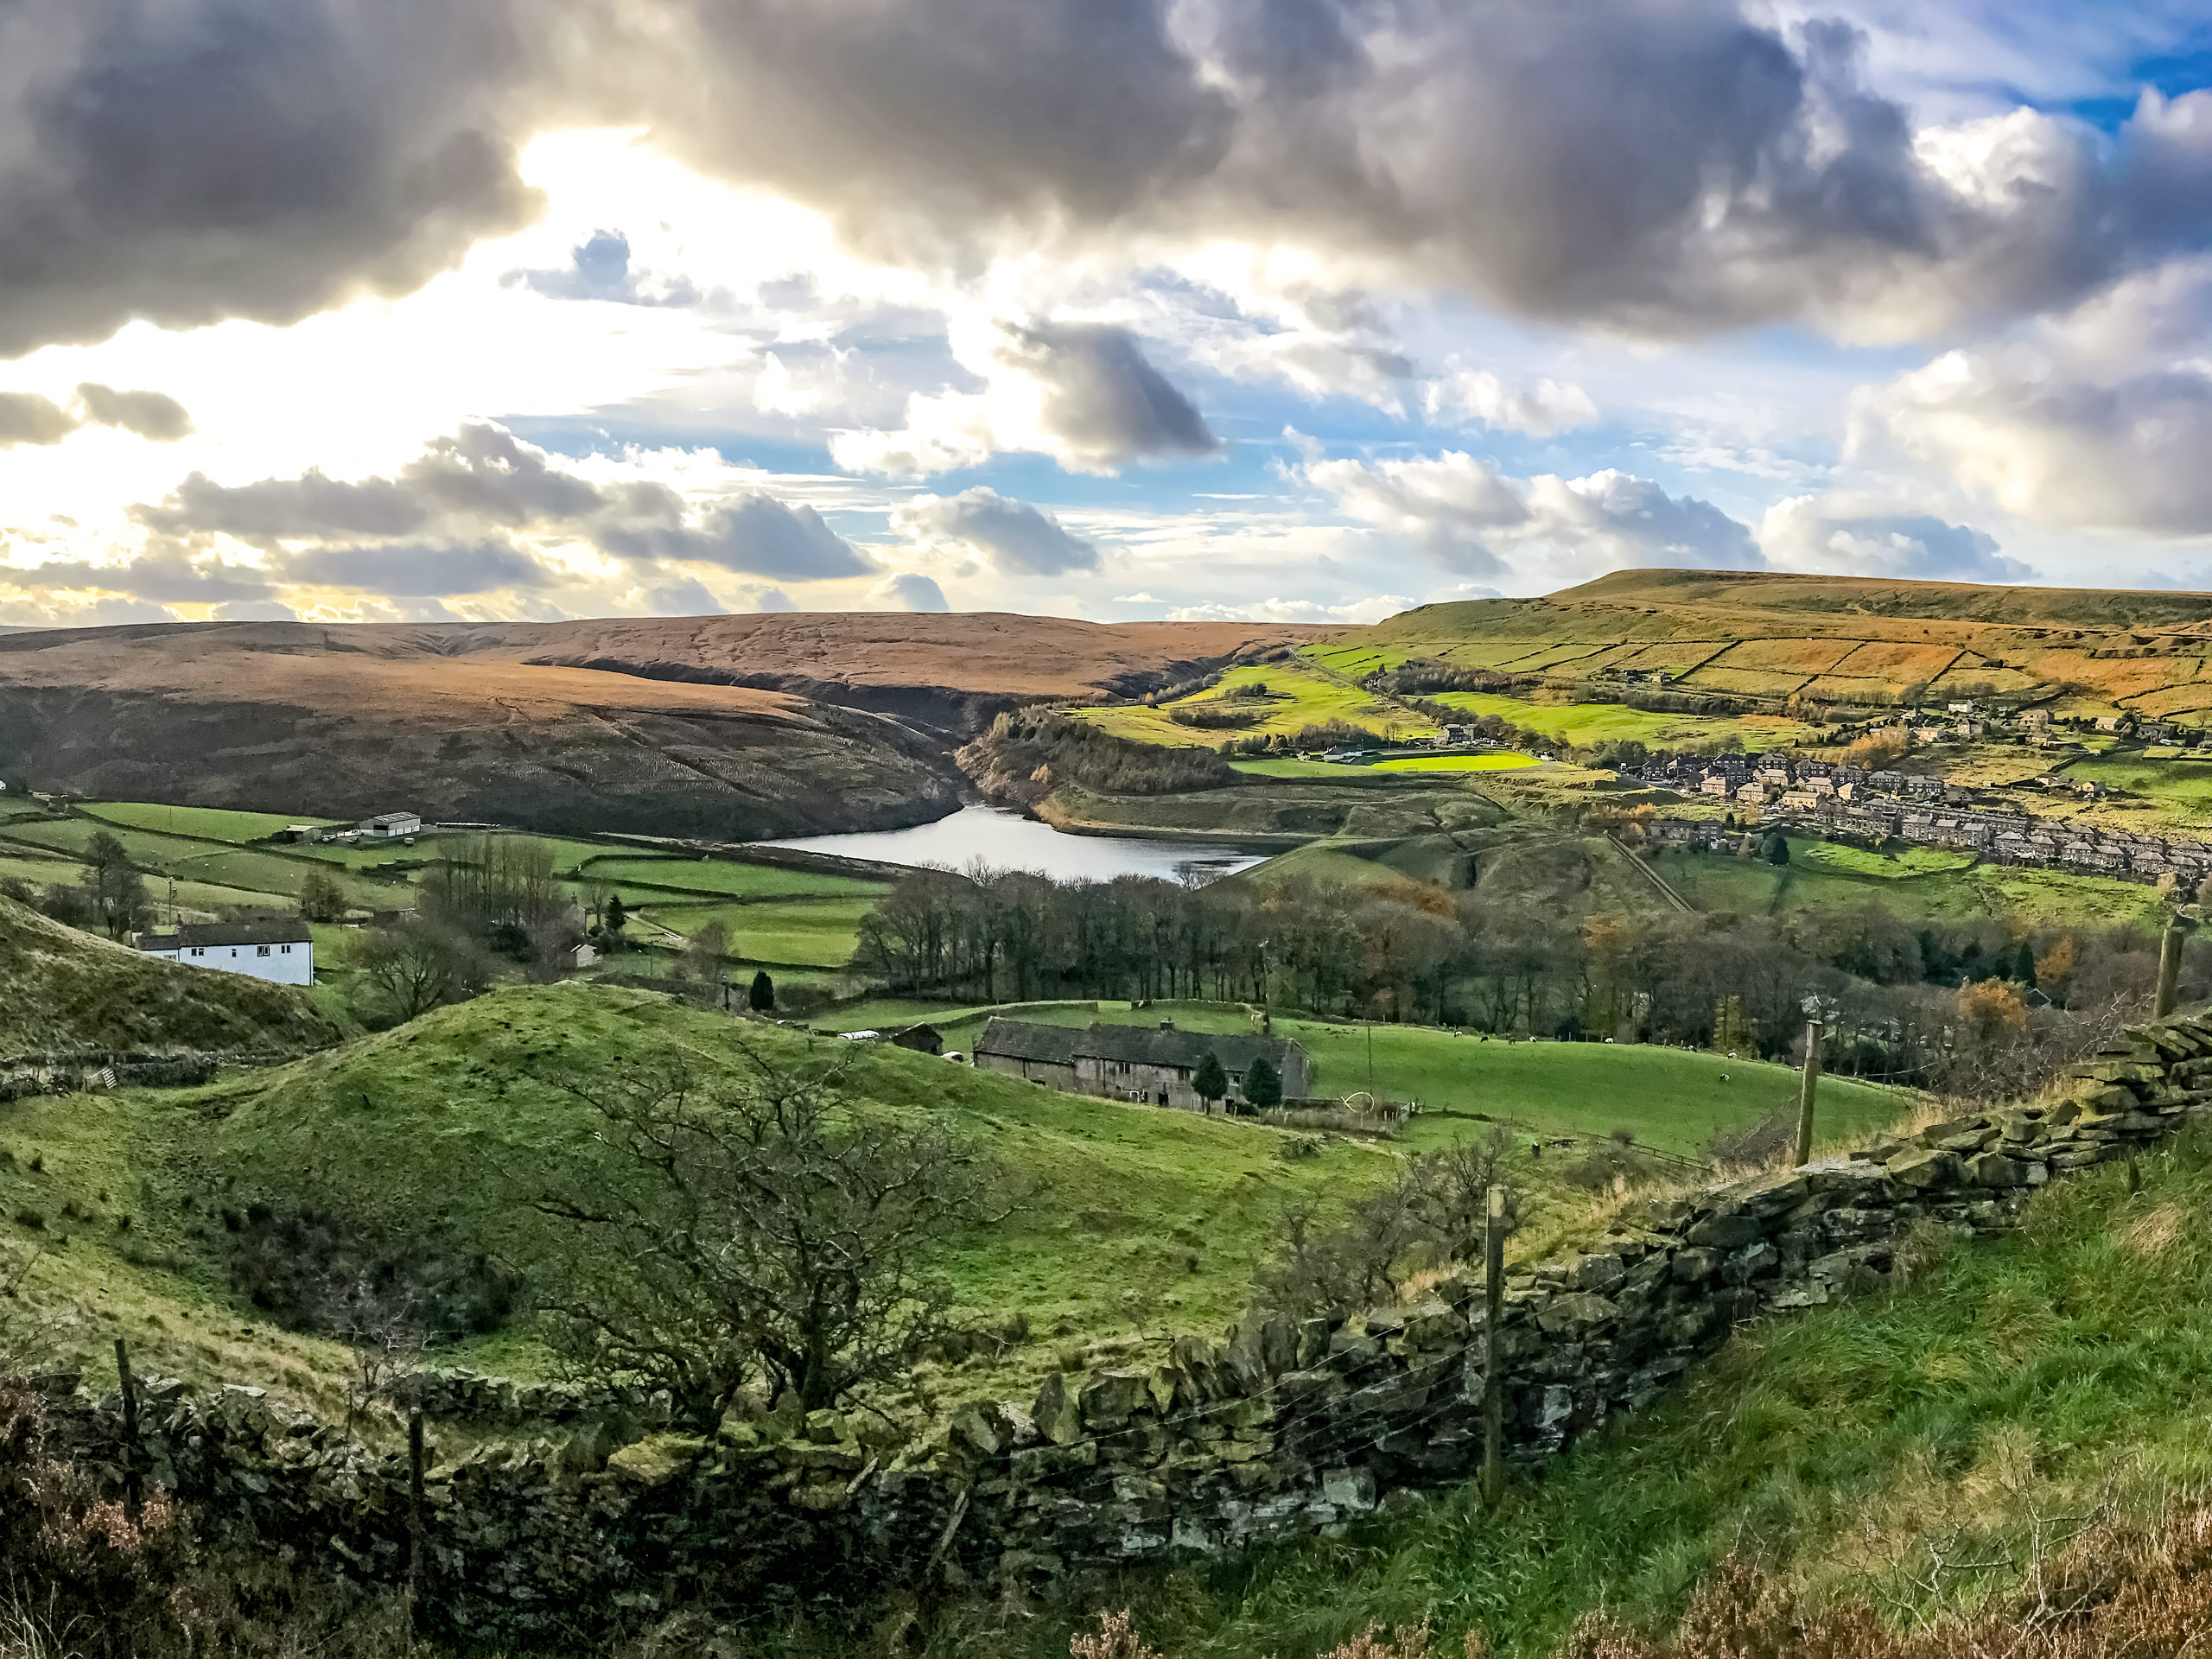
x,y
1665,165
1103,399
153,415
416,570
163,577
756,535
190,160
26,418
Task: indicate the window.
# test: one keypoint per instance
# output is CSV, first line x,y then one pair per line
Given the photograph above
x,y
284,950
260,950
198,950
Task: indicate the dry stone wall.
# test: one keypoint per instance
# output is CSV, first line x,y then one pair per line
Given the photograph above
x,y
1280,1430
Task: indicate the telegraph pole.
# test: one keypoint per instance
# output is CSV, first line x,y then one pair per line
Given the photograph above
x,y
1806,1090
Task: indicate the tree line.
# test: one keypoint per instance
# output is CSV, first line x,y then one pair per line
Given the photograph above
x,y
1921,1002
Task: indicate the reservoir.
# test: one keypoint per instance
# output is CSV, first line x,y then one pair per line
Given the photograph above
x,y
1006,841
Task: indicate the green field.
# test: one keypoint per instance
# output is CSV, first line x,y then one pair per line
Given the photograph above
x,y
210,823
1304,698
1669,1098
1823,876
806,932
1503,761
1586,723
721,876
2180,789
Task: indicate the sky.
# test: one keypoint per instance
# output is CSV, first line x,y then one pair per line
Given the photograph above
x,y
1289,310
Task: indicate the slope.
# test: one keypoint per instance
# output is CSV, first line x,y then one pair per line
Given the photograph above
x,y
63,991
1764,639
1917,1450
731,728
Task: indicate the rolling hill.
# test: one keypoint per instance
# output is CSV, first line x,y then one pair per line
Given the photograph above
x,y
734,727
1848,641
68,992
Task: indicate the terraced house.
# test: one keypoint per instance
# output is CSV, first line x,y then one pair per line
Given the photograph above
x,y
1134,1062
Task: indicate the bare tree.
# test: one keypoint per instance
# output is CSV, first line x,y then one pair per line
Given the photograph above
x,y
416,965
755,1227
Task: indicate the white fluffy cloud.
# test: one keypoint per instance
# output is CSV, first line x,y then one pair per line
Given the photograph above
x,y
1470,517
1013,536
1476,397
908,591
2101,417
1868,536
1373,608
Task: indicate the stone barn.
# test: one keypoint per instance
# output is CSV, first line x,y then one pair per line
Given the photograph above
x,y
1134,1062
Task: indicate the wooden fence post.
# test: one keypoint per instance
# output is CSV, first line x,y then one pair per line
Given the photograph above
x,y
1807,1090
414,1541
2169,974
1493,1350
133,1480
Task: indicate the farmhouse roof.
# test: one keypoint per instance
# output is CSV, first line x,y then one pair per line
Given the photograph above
x,y
284,931
1132,1044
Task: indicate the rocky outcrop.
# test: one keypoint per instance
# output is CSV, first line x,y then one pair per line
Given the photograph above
x,y
1282,1428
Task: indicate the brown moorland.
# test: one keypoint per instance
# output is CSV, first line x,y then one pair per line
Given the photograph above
x,y
728,727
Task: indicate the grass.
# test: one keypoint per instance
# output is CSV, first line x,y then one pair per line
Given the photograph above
x,y
808,933
1823,876
2181,789
2049,1373
1586,723
1669,1098
720,876
1301,698
210,823
1494,762
1130,1221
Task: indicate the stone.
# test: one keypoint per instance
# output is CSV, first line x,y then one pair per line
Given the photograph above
x,y
1055,1414
1994,1169
1727,1232
656,1459
1576,1310
1600,1273
1111,1398
1924,1168
1695,1265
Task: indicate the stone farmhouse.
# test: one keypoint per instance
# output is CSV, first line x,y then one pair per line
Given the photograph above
x,y
1134,1062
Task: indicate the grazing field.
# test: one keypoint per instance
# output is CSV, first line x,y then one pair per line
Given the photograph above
x,y
1817,879
1673,1099
721,876
804,932
1497,762
1586,723
209,822
1296,698
2180,789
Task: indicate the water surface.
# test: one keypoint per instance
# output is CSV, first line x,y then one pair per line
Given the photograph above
x,y
1006,841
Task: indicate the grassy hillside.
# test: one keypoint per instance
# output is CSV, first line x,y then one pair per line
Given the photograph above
x,y
1674,1099
1846,640
2042,1380
68,990
1129,1222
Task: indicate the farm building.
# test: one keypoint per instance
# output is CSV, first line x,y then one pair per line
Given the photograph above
x,y
281,951
391,824
1133,1063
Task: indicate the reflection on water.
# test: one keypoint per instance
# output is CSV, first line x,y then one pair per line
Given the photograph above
x,y
1006,841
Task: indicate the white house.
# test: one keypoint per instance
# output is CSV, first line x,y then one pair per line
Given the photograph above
x,y
280,951
391,824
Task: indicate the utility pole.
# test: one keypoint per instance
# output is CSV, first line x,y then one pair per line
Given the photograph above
x,y
415,1549
1806,1090
2169,974
1493,1359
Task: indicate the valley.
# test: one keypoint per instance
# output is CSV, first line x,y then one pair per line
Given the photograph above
x,y
1471,861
